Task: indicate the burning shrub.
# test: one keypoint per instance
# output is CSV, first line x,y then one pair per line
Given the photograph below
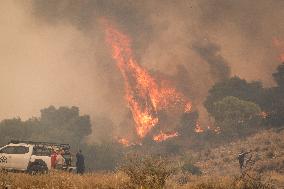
x,y
147,97
147,172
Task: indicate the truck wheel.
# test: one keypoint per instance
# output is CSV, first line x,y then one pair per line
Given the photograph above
x,y
37,167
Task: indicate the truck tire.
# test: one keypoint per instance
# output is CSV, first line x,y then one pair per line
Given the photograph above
x,y
37,167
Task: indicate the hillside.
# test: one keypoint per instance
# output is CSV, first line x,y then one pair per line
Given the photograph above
x,y
219,168
267,150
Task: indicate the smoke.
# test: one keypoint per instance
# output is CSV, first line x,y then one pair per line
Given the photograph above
x,y
246,29
53,52
210,52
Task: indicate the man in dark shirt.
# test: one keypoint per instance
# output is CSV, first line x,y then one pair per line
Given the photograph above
x,y
241,158
80,163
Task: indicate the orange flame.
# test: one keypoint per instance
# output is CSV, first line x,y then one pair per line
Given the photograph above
x,y
263,115
198,129
164,136
124,142
143,94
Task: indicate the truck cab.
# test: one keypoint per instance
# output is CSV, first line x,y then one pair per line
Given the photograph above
x,y
15,156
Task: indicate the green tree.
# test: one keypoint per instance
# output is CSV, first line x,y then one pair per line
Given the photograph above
x,y
64,125
236,87
12,129
279,76
275,99
235,116
104,156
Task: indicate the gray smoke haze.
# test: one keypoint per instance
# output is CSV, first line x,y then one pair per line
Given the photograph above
x,y
53,52
210,53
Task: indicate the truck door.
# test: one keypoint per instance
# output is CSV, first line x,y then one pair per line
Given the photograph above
x,y
43,153
6,157
21,157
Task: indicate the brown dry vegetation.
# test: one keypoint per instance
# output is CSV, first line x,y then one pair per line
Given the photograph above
x,y
220,170
267,150
112,181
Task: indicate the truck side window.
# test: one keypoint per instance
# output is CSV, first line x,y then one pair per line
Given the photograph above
x,y
21,150
8,150
41,151
15,150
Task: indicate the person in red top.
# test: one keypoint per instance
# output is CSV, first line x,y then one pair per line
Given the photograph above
x,y
53,159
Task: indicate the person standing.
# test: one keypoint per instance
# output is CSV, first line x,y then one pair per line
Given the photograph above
x,y
59,160
53,159
80,162
241,158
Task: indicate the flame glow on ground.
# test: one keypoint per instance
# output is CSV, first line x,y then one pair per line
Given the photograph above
x,y
164,136
144,94
198,129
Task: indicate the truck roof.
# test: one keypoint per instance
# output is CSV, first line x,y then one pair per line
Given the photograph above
x,y
19,144
22,142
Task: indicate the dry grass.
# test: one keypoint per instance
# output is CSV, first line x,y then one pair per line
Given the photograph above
x,y
62,180
220,170
267,149
59,180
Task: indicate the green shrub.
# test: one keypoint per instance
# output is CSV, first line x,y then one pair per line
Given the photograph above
x,y
147,172
191,168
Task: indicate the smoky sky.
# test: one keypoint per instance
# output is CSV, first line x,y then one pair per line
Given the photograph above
x,y
53,52
218,66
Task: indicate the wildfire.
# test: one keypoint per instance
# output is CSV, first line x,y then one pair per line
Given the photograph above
x,y
124,141
187,107
164,136
264,115
198,129
145,96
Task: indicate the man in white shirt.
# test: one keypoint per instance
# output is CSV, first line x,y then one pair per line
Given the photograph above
x,y
60,161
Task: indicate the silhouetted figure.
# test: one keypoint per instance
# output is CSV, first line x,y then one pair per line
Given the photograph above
x,y
80,163
241,158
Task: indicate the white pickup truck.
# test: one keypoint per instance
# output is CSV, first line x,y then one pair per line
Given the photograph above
x,y
32,157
